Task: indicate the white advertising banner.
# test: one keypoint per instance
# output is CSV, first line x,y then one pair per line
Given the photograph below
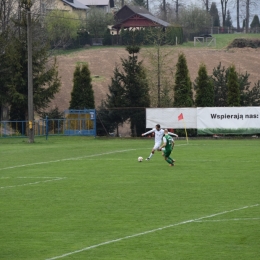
x,y
228,120
176,118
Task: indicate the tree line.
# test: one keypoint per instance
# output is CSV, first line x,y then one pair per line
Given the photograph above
x,y
14,62
129,92
174,11
129,88
74,29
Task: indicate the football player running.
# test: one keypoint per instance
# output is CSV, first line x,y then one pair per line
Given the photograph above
x,y
167,146
158,135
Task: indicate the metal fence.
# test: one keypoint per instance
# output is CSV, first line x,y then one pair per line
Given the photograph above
x,y
189,34
45,127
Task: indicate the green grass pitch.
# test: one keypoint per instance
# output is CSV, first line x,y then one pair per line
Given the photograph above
x,y
86,198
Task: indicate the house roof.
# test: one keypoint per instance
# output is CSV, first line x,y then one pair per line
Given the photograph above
x,y
127,13
137,9
156,20
94,2
75,4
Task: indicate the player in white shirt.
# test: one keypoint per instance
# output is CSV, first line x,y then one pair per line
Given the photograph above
x,y
158,135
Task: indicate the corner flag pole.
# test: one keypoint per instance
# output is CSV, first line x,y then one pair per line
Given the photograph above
x,y
180,117
185,131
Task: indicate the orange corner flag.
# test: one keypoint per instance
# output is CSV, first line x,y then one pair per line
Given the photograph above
x,y
180,117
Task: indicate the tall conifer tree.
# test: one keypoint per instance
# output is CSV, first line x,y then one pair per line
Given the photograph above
x,y
214,14
254,97
182,88
233,88
204,89
116,100
129,89
82,95
136,89
228,21
248,95
255,22
220,85
46,82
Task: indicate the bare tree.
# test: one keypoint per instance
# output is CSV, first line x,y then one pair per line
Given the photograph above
x,y
248,5
62,30
247,15
167,10
177,5
174,10
238,5
164,10
8,10
97,22
224,10
159,69
194,19
207,4
120,3
162,6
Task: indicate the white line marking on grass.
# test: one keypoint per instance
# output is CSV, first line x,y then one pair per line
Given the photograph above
x,y
71,159
226,220
150,231
33,183
216,161
68,159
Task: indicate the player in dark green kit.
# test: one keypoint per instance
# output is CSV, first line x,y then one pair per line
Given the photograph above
x,y
168,146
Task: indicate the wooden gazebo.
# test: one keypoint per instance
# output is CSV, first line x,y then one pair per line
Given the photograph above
x,y
136,17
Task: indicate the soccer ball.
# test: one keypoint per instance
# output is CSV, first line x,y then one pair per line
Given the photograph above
x,y
140,159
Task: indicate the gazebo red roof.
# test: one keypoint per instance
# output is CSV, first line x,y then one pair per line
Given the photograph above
x,y
136,16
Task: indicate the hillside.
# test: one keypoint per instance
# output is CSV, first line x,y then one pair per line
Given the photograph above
x,y
102,63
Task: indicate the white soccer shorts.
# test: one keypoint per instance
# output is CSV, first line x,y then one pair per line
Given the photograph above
x,y
157,145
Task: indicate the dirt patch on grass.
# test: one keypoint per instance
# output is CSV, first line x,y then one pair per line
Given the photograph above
x,y
103,61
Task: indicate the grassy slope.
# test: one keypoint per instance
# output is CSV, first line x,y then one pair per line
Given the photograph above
x,y
222,41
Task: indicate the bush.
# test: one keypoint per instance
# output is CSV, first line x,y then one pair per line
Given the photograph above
x,y
55,118
143,36
243,43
